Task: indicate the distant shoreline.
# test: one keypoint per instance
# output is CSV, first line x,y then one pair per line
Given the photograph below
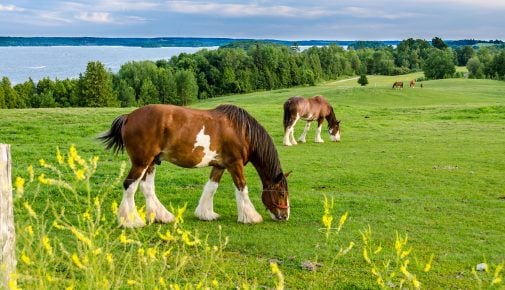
x,y
160,41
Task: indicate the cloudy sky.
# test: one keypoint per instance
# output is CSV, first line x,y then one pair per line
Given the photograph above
x,y
286,19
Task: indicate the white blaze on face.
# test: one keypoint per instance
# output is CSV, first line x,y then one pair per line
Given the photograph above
x,y
335,137
203,140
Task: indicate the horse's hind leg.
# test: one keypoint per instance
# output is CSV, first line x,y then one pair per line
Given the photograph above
x,y
128,216
205,209
304,134
155,211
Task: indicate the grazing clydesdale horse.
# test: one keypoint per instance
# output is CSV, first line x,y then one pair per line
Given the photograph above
x,y
312,109
412,83
398,85
225,138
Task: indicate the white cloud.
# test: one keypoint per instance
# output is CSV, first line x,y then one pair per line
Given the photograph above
x,y
95,17
10,8
241,10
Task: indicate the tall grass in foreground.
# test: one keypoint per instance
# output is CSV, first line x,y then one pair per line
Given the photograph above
x,y
79,245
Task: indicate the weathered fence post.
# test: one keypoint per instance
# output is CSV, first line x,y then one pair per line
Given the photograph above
x,y
7,231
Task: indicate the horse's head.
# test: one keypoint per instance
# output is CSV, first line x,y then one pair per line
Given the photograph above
x,y
276,198
334,130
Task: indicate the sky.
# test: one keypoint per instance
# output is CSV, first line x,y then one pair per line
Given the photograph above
x,y
263,19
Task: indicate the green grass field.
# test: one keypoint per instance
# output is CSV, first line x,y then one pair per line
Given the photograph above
x,y
426,162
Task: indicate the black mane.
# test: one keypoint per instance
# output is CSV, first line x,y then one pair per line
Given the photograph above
x,y
264,154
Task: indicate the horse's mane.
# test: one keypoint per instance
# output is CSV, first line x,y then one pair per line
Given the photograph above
x,y
331,117
262,147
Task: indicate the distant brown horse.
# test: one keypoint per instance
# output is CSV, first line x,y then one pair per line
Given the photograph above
x,y
412,83
226,137
312,109
398,85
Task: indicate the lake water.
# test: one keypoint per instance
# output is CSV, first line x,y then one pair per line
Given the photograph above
x,y
21,62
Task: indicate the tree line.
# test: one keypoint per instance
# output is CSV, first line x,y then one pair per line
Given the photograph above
x,y
243,67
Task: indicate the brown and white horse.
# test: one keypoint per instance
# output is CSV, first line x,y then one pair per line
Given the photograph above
x,y
311,109
412,83
226,137
398,85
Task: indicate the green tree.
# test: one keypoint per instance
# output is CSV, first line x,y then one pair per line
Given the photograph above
x,y
26,91
437,42
10,96
475,68
126,94
187,88
363,80
96,86
439,64
148,93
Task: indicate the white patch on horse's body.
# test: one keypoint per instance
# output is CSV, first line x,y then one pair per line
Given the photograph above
x,y
203,140
155,211
128,215
205,209
247,214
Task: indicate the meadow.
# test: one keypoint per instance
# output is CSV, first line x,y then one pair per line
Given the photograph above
x,y
418,168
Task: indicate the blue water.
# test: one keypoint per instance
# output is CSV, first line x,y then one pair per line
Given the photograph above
x,y
19,62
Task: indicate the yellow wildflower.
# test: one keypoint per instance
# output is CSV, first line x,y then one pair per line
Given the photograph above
x,y
114,207
44,180
97,202
97,252
42,163
77,262
59,157
109,258
71,287
378,249
31,172
29,230
124,240
47,245
28,208
365,256
80,174
167,236
215,283
162,282
180,212
80,236
26,259
152,252
427,268
342,220
86,216
131,282
497,279
49,278
57,225
20,186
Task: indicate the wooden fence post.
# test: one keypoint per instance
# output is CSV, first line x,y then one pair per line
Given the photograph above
x,y
7,230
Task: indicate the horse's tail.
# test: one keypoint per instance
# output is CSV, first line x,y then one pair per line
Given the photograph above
x,y
287,113
113,138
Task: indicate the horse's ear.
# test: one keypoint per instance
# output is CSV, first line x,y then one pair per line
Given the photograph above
x,y
287,174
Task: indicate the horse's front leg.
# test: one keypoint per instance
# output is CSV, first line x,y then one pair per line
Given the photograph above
x,y
128,215
155,211
205,209
304,134
318,138
247,214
